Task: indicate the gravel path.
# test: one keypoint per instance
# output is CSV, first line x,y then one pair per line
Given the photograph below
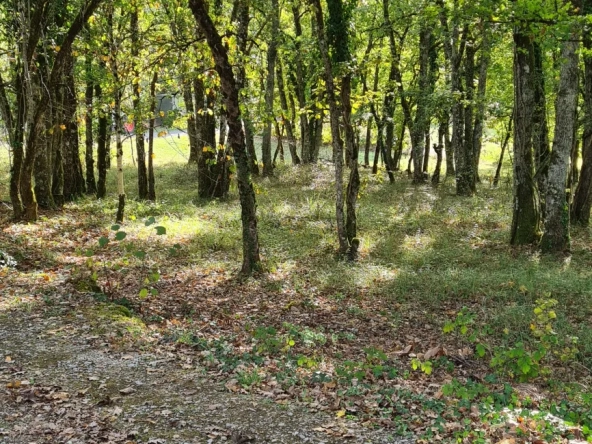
x,y
60,383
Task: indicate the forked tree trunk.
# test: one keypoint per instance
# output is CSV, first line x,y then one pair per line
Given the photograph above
x,y
251,259
556,235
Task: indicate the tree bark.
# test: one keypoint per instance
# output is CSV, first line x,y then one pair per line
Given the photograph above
x,y
556,235
152,111
465,170
138,114
525,216
269,89
285,116
580,211
251,259
334,114
91,184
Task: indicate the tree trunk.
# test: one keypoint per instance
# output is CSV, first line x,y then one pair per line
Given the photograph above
x,y
102,145
91,184
192,129
299,86
484,59
138,114
525,217
334,114
556,235
269,90
152,111
465,171
498,170
251,259
580,211
540,125
285,116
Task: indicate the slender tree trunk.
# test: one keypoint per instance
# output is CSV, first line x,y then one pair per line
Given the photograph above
x,y
102,145
484,59
152,113
465,172
251,259
91,184
556,235
540,125
500,162
138,114
269,89
299,86
580,211
192,129
334,113
525,217
285,113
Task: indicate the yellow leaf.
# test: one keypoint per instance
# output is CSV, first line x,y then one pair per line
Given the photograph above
x,y
162,114
227,157
340,413
57,48
153,156
523,289
63,127
8,359
205,149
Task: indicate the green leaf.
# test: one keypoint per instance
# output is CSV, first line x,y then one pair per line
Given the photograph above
x,y
115,227
154,292
120,235
160,230
480,348
143,293
150,221
155,277
140,254
103,241
89,252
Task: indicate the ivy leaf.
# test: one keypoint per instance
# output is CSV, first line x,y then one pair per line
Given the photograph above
x,y
143,293
150,221
103,241
120,235
89,252
140,254
154,292
115,227
160,230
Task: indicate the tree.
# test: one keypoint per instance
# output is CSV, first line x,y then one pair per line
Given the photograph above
x,y
236,137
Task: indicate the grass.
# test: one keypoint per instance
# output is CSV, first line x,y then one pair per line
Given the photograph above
x,y
425,254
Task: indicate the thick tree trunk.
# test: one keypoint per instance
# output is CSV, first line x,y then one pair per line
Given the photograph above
x,y
251,259
556,235
525,217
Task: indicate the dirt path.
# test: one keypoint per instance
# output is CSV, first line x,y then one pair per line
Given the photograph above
x,y
60,382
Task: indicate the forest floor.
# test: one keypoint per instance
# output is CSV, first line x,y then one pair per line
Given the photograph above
x,y
116,331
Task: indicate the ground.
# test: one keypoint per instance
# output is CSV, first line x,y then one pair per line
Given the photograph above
x,y
440,332
64,384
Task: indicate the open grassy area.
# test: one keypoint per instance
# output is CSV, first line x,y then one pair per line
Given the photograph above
x,y
366,339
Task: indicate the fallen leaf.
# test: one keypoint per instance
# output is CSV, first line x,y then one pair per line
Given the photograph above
x,y
127,391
